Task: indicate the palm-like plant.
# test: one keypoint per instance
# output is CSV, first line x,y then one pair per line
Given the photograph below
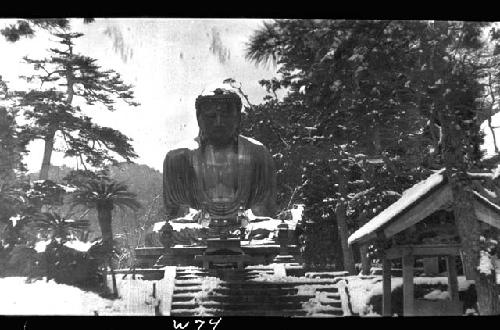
x,y
59,226
104,194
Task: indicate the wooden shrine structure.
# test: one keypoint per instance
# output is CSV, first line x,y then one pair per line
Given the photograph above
x,y
416,205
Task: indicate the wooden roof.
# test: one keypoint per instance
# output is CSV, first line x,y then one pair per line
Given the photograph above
x,y
417,203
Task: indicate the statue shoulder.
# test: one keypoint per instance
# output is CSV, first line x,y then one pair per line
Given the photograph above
x,y
182,149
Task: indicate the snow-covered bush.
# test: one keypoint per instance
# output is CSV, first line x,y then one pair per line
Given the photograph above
x,y
70,266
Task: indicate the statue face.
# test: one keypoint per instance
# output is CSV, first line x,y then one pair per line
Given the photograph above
x,y
219,121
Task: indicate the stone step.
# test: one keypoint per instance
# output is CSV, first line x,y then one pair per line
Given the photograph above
x,y
333,296
337,304
244,298
192,273
238,291
239,279
327,313
331,289
211,312
226,306
253,284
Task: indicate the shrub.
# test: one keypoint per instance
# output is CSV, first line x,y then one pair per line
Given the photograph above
x,y
23,261
69,266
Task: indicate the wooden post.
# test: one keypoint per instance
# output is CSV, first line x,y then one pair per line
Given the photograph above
x,y
157,308
408,296
386,286
452,278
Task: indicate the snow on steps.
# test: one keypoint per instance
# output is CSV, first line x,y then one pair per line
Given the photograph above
x,y
256,291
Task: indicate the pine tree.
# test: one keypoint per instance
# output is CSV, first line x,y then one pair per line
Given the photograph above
x,y
27,28
455,106
389,101
50,110
12,148
352,107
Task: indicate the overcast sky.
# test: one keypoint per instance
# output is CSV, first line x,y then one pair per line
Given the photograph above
x,y
169,61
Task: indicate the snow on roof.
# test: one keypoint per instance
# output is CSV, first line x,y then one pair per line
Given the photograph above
x,y
408,197
487,201
251,140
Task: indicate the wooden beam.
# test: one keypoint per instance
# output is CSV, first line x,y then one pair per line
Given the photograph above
x,y
408,295
421,210
394,253
486,215
452,278
386,287
423,250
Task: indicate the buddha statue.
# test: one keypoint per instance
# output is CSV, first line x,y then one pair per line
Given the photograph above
x,y
220,172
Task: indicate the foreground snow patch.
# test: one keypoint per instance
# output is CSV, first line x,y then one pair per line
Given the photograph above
x,y
47,298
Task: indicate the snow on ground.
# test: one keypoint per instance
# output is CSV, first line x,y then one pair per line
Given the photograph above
x,y
177,226
48,298
41,245
78,245
361,289
437,295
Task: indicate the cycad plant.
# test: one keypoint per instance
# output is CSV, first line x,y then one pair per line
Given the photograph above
x,y
58,226
103,195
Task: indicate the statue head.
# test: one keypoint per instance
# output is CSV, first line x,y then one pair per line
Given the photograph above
x,y
218,113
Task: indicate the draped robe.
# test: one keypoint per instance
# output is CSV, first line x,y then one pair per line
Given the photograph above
x,y
247,179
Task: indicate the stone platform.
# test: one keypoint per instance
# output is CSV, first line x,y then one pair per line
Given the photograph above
x,y
185,255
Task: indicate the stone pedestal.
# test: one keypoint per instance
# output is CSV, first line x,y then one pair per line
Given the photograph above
x,y
167,259
283,240
223,252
